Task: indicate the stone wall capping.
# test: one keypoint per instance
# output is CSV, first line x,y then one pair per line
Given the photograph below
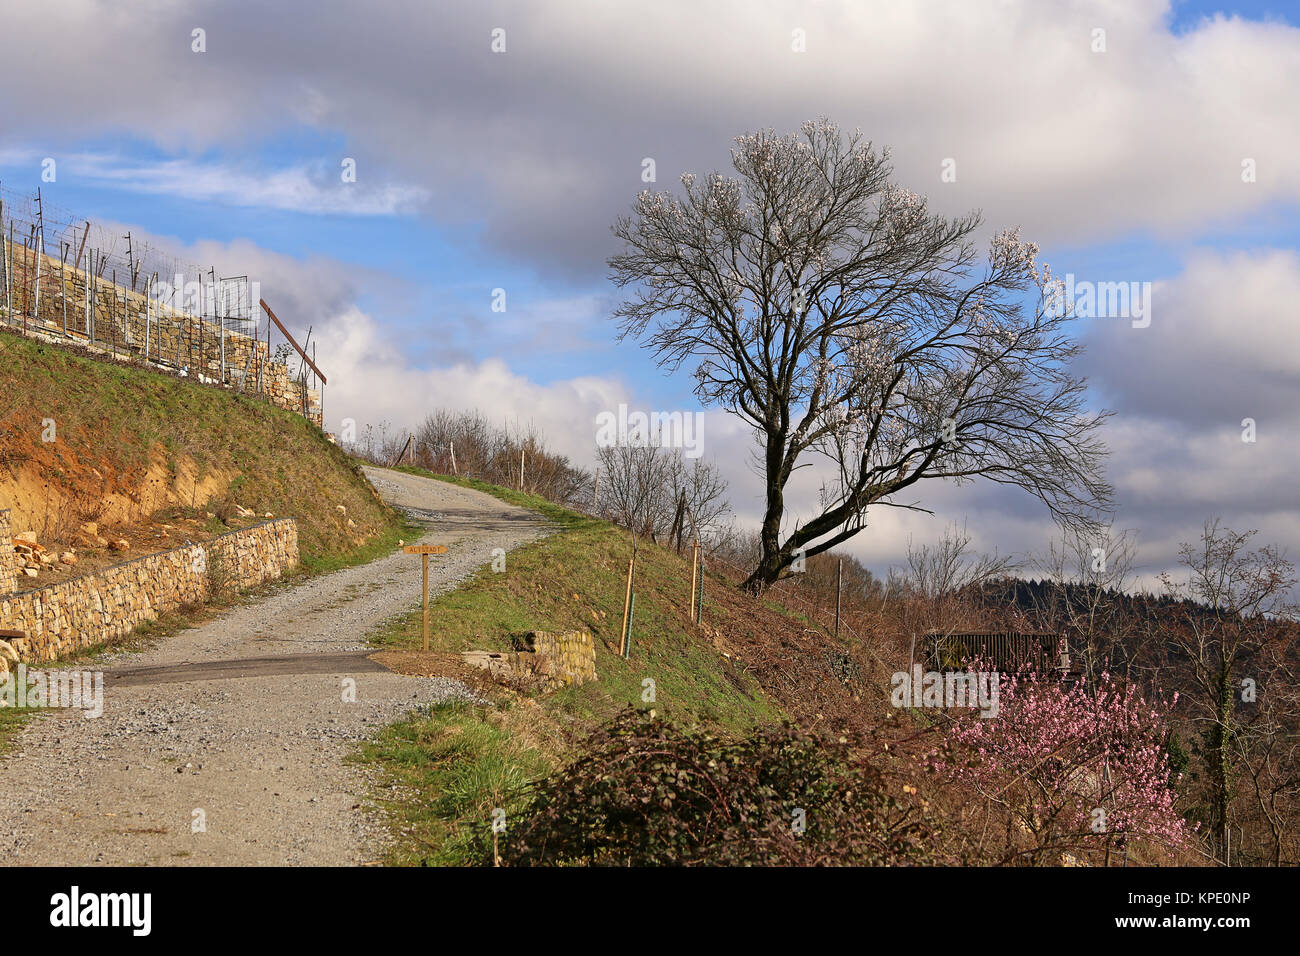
x,y
90,609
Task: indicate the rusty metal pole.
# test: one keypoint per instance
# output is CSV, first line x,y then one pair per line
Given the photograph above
x,y
82,248
839,575
695,567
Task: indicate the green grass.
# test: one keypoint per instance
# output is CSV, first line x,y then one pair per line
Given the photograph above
x,y
385,542
11,722
575,579
454,765
117,419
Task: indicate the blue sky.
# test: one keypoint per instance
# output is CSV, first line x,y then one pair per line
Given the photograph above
x,y
1187,15
479,171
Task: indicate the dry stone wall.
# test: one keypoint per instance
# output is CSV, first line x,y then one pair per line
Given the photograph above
x,y
570,657
541,659
8,566
126,322
81,612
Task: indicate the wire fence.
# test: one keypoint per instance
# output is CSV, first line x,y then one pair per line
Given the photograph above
x,y
69,278
823,617
37,228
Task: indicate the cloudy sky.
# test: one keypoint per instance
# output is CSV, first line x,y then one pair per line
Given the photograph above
x,y
1137,141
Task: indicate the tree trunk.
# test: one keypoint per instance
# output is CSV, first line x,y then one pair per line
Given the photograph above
x,y
679,521
1219,757
773,560
767,573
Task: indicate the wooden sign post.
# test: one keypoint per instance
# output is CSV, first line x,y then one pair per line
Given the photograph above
x,y
424,550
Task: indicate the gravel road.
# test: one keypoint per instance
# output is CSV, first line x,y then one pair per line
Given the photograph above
x,y
240,723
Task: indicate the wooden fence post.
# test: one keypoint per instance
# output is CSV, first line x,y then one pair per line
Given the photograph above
x,y
627,603
424,550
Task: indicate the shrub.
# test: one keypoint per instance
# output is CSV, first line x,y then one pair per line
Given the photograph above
x,y
647,793
1073,768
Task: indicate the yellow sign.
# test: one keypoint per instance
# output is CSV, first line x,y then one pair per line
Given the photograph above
x,y
426,549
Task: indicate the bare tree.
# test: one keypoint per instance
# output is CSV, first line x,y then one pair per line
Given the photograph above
x,y
467,443
1086,574
650,490
935,577
835,314
636,488
1237,596
702,489
1267,748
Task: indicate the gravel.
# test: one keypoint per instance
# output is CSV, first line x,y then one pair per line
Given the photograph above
x,y
259,761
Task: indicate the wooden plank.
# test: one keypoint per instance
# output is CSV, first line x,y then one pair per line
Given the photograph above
x,y
401,454
425,549
82,248
292,341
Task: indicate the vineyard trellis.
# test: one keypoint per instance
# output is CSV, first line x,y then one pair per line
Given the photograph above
x,y
111,290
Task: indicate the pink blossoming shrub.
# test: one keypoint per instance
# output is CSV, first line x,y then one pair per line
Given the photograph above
x,y
1071,769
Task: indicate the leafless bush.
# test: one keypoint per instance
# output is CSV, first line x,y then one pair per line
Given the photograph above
x,y
636,488
931,591
652,491
377,444
467,444
1086,574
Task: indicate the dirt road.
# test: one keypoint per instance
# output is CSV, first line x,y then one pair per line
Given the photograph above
x,y
241,724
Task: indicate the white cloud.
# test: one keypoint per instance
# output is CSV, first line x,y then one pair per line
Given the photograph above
x,y
308,188
373,382
1223,344
539,148
543,144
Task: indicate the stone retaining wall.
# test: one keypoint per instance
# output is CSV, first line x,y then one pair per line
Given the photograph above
x,y
8,566
540,659
81,612
570,657
128,323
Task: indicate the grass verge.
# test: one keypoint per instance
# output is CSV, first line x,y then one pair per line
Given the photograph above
x,y
448,768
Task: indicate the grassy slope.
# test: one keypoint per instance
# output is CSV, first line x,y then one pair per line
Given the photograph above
x,y
452,765
576,580
114,418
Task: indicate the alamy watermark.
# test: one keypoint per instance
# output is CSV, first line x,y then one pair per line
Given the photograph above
x,y
57,689
1102,300
973,689
636,429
